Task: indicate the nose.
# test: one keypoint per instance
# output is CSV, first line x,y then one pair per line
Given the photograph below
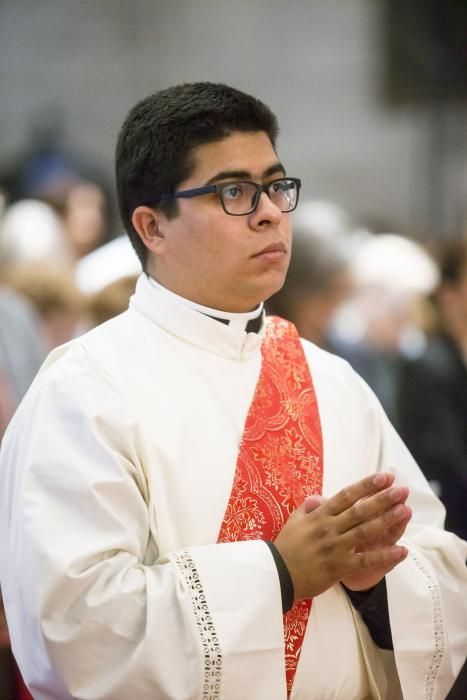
x,y
266,213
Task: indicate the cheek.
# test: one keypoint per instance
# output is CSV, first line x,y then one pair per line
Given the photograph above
x,y
224,247
214,244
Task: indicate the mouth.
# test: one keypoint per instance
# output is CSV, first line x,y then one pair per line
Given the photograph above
x,y
272,252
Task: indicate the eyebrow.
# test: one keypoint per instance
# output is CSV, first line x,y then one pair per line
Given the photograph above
x,y
245,174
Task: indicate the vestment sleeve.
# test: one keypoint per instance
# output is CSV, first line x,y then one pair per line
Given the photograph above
x,y
95,610
285,579
373,607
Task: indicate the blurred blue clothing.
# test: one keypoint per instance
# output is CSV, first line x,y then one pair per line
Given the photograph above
x,y
21,349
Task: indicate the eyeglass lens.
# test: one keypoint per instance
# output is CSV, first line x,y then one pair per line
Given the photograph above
x,y
241,197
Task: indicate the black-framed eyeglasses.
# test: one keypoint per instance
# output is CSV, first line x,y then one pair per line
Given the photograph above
x,y
242,197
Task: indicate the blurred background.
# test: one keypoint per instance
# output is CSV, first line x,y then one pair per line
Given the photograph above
x,y
370,94
371,97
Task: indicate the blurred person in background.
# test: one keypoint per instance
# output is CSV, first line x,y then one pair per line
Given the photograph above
x,y
356,294
382,322
110,301
432,400
21,354
21,349
31,231
28,230
37,263
318,279
80,205
107,277
84,217
68,181
52,291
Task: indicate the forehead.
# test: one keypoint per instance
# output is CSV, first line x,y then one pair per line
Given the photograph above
x,y
251,153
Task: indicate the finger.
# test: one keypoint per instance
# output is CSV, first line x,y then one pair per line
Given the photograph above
x,y
395,532
349,495
402,491
391,537
377,573
382,560
313,502
365,536
367,508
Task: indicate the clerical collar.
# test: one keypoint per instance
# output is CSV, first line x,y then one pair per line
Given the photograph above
x,y
249,321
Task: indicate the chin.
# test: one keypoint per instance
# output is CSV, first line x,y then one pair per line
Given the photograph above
x,y
273,287
259,290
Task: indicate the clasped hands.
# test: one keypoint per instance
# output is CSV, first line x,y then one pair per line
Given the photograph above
x,y
349,538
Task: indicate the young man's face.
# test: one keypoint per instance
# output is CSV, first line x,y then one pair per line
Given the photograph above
x,y
226,262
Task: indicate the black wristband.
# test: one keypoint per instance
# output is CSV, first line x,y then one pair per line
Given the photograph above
x,y
285,579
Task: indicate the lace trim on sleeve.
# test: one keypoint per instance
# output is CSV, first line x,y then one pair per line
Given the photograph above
x,y
207,631
438,630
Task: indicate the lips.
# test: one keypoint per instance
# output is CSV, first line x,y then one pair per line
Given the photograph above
x,y
272,248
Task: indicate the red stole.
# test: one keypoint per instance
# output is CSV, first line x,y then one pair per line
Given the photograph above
x,y
280,460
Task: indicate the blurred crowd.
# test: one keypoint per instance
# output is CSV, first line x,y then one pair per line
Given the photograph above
x,y
396,311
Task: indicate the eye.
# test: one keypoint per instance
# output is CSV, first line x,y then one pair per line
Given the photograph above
x,y
280,186
233,191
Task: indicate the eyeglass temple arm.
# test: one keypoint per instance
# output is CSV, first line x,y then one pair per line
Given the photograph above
x,y
194,192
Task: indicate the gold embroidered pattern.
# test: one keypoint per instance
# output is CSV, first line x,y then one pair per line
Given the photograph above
x,y
279,461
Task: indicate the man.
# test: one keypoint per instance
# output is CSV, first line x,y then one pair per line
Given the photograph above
x,y
433,392
183,475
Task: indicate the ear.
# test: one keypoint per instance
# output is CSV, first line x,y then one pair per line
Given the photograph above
x,y
147,223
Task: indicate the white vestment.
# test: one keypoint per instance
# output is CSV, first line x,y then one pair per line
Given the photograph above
x,y
115,476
